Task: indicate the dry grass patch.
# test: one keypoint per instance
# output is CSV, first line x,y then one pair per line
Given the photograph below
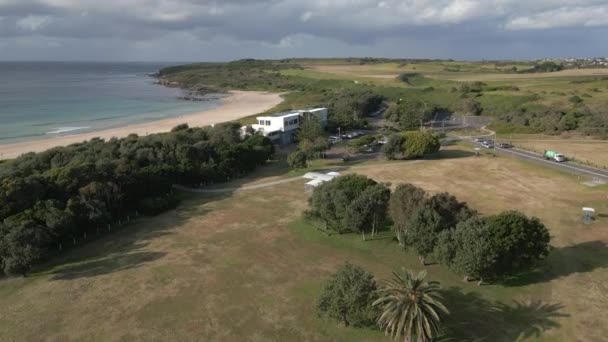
x,y
244,266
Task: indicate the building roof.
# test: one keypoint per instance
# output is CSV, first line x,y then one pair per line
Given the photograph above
x,y
291,112
321,176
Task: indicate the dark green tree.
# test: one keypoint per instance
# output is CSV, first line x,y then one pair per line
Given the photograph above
x,y
419,144
404,201
297,160
368,210
468,249
347,297
519,241
393,148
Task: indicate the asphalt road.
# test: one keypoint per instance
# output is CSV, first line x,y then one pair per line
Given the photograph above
x,y
566,166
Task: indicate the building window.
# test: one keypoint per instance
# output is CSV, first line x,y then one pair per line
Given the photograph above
x,y
267,122
261,122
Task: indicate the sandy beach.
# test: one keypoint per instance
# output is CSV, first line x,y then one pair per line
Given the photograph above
x,y
237,105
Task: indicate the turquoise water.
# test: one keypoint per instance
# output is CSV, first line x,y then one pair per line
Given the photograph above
x,y
42,100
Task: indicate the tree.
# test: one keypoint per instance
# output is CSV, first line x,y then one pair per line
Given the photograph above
x,y
348,108
468,249
348,296
418,144
410,114
368,210
404,202
450,209
411,309
519,241
424,228
440,212
312,136
392,148
471,107
330,201
297,160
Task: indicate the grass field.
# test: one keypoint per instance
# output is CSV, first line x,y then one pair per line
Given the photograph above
x,y
245,266
551,90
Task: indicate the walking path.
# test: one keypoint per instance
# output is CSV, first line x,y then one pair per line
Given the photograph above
x,y
281,181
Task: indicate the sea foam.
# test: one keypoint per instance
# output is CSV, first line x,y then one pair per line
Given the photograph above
x,y
66,129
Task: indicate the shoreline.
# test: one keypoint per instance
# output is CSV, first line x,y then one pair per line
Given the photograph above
x,y
236,105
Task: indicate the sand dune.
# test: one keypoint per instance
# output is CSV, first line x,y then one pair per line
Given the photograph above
x,y
239,104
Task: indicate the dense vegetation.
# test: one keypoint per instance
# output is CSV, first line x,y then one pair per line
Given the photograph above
x,y
417,98
50,199
436,226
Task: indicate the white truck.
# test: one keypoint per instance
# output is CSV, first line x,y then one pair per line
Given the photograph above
x,y
552,155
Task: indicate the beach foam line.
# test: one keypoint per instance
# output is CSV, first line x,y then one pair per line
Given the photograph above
x,y
66,129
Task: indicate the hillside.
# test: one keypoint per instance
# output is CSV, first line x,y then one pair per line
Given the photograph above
x,y
522,97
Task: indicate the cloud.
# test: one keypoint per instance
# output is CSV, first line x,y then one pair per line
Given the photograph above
x,y
562,17
291,25
33,22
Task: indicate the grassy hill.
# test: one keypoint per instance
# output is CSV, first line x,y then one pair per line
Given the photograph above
x,y
514,93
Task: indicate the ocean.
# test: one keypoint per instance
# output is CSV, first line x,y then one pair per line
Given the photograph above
x,y
41,100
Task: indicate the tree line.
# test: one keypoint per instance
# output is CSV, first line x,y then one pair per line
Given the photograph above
x,y
439,226
48,199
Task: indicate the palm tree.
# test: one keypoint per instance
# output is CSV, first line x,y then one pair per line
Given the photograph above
x,y
411,308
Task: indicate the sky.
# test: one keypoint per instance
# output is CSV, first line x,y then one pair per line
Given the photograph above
x,y
216,30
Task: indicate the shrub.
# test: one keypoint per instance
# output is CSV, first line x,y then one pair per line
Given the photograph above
x,y
347,297
297,159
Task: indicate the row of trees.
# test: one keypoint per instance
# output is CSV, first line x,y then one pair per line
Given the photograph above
x,y
438,226
458,237
49,199
406,306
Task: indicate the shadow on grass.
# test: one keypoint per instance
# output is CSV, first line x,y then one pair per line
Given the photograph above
x,y
128,247
449,154
563,261
109,264
474,318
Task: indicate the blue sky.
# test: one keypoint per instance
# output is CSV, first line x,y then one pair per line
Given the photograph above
x,y
190,30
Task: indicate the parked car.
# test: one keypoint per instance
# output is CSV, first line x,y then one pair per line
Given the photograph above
x,y
334,139
505,145
480,140
488,144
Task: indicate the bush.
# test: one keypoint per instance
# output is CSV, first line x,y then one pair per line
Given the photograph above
x,y
392,148
347,297
297,160
419,144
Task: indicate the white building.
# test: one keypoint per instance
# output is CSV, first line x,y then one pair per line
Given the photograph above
x,y
282,127
317,179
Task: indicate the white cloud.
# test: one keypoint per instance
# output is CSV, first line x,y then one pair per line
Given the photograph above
x,y
562,17
33,22
297,24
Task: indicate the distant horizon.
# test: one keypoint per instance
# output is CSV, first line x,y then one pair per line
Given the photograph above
x,y
286,58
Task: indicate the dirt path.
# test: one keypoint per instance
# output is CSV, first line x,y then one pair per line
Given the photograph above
x,y
280,181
